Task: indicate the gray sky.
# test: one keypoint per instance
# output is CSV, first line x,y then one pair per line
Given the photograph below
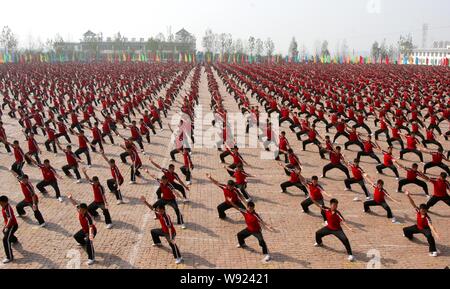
x,y
360,22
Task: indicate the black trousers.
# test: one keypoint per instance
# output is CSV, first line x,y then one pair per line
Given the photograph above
x,y
432,165
371,154
177,187
373,203
51,142
244,234
114,188
95,142
66,169
174,205
434,200
435,142
308,141
94,206
243,189
225,206
417,182
17,168
85,151
364,126
308,202
8,239
409,233
299,185
111,139
415,151
338,234
139,142
331,166
224,155
349,182
54,184
187,172
357,142
135,172
157,233
123,157
399,140
7,147
83,239
380,131
173,153
58,135
381,167
37,214
338,134
286,158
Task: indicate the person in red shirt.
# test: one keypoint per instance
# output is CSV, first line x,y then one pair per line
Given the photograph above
x,y
396,137
230,192
30,199
431,139
49,174
188,166
3,138
96,137
144,130
334,219
33,149
368,150
411,147
254,228
388,162
341,130
423,226
62,130
173,178
283,147
116,181
296,179
383,129
100,200
441,187
19,156
9,228
85,236
353,139
315,194
72,163
51,139
167,230
379,198
83,147
437,158
358,178
335,162
136,135
411,177
241,179
313,136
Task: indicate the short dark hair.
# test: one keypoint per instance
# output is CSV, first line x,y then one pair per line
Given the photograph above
x,y
251,204
315,178
3,199
83,206
334,201
231,183
423,207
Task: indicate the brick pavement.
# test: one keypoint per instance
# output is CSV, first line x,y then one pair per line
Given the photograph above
x,y
209,242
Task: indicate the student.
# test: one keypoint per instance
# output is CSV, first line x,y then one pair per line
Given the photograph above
x,y
335,163
117,180
437,158
315,194
283,147
423,226
83,147
136,163
167,195
379,198
50,176
3,138
173,178
100,200
33,149
230,192
9,229
254,227
312,138
167,230
241,179
30,199
296,179
358,178
334,219
85,236
440,188
411,177
368,150
188,166
411,147
388,162
72,163
19,156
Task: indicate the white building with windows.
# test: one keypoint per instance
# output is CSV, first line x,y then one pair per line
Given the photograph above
x,y
432,56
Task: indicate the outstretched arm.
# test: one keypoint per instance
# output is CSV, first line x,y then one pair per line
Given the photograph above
x,y
212,180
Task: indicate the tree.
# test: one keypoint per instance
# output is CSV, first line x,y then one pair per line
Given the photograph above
x,y
324,50
375,50
259,47
383,50
225,42
251,45
160,37
152,45
405,44
293,48
8,39
208,41
303,52
239,46
270,47
118,42
344,48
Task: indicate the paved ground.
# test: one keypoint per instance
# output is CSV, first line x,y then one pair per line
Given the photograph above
x,y
209,242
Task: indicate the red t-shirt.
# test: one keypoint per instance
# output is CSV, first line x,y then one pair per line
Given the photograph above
x,y
252,221
334,220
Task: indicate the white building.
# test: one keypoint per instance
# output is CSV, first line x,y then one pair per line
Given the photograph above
x,y
431,56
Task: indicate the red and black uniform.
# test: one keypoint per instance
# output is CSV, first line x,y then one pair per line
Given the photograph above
x,y
357,173
11,226
436,161
440,189
333,227
99,202
166,228
166,196
252,220
335,163
411,147
411,178
83,148
388,163
82,236
422,227
72,164
378,200
30,199
187,165
315,194
49,175
115,182
19,157
228,194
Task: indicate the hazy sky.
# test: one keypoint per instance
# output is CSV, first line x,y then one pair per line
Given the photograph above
x,y
360,22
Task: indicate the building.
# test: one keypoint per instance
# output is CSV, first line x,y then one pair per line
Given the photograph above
x,y
183,42
432,56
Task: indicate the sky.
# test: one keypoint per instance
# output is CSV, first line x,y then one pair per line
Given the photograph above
x,y
359,22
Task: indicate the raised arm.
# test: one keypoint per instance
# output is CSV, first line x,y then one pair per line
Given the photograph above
x,y
215,182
